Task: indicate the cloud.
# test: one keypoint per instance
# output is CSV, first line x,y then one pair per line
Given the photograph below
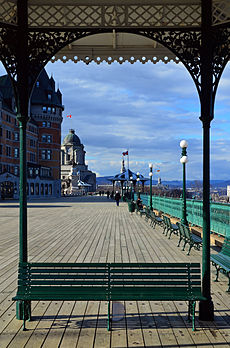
x,y
146,109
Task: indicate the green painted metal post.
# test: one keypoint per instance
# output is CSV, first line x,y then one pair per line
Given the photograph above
x,y
151,184
206,308
23,310
184,207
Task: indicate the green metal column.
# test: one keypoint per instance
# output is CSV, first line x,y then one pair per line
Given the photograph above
x,y
22,99
206,307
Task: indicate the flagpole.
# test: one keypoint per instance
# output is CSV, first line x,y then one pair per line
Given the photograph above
x,y
128,159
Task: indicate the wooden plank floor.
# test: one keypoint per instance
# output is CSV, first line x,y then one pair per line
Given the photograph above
x,y
94,229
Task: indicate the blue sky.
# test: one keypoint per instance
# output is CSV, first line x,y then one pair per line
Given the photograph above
x,y
145,108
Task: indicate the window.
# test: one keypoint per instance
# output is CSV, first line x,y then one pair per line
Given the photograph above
x,y
32,143
54,110
0,131
16,136
32,157
8,118
32,188
8,168
15,122
48,124
8,151
44,124
0,149
49,154
8,134
37,83
49,96
16,152
46,189
46,154
44,109
37,189
46,138
49,110
16,170
50,189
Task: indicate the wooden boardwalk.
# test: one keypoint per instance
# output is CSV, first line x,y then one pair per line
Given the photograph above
x,y
94,229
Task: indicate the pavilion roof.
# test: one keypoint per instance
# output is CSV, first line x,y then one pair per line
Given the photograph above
x,y
127,175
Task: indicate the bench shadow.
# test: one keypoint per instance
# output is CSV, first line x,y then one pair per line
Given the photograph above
x,y
160,321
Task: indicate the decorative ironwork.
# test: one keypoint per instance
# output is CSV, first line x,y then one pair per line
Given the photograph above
x,y
7,50
221,54
8,11
92,16
221,11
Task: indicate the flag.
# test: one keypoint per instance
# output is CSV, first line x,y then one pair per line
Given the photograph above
x,y
125,153
158,170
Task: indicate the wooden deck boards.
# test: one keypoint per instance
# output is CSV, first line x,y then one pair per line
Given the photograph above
x,y
93,229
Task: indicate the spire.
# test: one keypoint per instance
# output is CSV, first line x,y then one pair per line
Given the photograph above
x,y
123,166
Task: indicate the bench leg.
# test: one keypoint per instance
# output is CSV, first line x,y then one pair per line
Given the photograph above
x,y
23,311
228,282
184,245
179,241
109,320
217,273
189,310
190,247
193,316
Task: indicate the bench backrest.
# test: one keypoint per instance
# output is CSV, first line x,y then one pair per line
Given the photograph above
x,y
109,275
56,274
181,230
186,231
226,247
160,275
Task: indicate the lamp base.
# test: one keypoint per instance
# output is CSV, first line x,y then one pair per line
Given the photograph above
x,y
206,310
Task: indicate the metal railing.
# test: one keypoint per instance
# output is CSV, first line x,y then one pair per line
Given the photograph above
x,y
220,213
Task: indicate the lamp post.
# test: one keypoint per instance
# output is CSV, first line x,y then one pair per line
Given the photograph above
x,y
131,189
183,161
138,180
151,183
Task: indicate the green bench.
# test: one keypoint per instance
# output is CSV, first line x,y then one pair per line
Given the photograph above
x,y
155,220
107,282
193,240
169,227
222,261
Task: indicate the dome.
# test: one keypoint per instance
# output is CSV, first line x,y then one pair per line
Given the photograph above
x,y
71,138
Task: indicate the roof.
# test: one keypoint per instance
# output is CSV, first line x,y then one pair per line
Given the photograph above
x,y
72,138
127,175
46,86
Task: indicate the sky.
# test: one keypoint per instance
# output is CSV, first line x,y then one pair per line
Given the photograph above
x,y
146,109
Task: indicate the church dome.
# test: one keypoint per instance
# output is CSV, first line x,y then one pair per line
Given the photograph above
x,y
72,138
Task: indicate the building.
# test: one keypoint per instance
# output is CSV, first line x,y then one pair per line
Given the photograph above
x,y
75,176
43,140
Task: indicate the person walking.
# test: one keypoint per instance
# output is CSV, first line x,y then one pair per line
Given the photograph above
x,y
117,198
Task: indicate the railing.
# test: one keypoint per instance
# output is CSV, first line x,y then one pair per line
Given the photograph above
x,y
220,213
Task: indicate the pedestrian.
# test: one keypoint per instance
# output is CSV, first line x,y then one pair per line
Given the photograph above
x,y
107,193
117,198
